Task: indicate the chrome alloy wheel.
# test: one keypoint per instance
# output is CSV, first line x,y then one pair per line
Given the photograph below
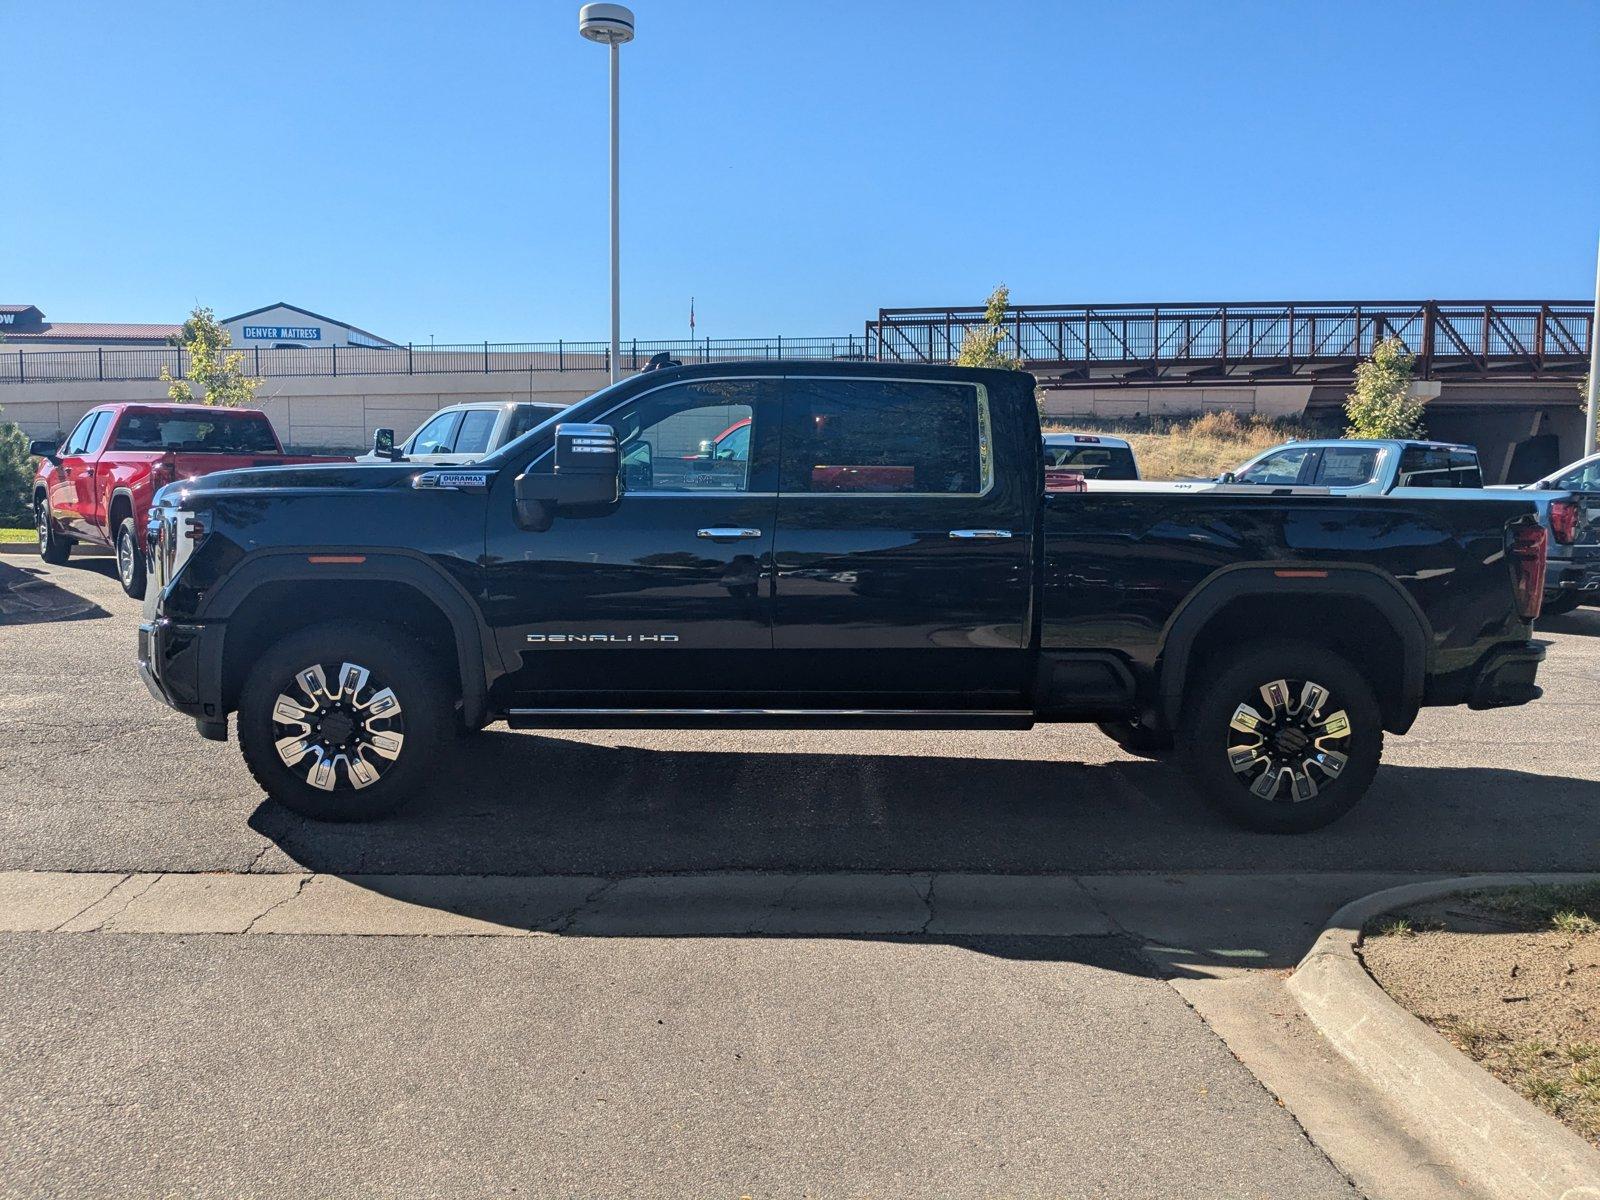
x,y
125,560
41,512
1290,743
355,724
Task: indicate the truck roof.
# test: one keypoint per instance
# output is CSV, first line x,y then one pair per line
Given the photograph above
x,y
1388,443
178,409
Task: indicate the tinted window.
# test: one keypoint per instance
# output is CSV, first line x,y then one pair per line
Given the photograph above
x,y
1280,469
882,435
199,433
526,417
679,439
1429,466
78,439
477,427
1093,462
1346,466
437,436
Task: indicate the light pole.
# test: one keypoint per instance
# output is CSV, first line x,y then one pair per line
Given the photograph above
x,y
1591,418
611,25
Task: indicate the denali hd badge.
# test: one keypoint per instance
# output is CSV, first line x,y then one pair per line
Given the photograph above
x,y
554,638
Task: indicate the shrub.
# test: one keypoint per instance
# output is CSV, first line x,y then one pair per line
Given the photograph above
x,y
16,477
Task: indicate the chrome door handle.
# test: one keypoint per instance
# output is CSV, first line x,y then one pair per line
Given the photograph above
x,y
980,533
727,533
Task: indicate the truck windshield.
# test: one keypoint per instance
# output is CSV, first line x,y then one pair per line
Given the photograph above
x,y
1092,462
197,434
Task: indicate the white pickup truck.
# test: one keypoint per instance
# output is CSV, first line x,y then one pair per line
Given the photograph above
x,y
464,433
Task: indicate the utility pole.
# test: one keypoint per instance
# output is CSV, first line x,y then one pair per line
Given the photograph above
x,y
1592,417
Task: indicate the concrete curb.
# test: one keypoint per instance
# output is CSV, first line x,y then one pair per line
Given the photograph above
x,y
1493,1139
31,550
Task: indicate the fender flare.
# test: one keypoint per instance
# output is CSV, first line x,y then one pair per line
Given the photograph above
x,y
1231,583
477,658
111,502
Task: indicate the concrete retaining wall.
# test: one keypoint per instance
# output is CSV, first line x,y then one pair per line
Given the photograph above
x,y
324,412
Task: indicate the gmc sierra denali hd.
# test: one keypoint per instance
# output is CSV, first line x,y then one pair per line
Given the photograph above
x,y
883,553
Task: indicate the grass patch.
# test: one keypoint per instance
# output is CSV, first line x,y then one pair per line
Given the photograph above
x,y
1567,908
17,535
1202,446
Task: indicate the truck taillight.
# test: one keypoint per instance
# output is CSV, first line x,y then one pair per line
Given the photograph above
x,y
1528,545
1564,521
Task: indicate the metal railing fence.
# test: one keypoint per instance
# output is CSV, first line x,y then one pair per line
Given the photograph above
x,y
145,363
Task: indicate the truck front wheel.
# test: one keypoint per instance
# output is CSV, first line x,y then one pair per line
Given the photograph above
x,y
343,721
53,548
1283,737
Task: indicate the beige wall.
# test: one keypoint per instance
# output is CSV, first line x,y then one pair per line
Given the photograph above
x,y
319,411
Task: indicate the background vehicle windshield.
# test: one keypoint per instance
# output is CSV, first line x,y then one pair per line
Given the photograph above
x,y
1093,462
202,434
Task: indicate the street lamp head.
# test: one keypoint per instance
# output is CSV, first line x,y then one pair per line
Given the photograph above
x,y
609,24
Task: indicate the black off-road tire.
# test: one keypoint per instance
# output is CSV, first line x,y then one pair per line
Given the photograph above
x,y
396,660
1141,741
130,559
1559,603
53,547
1236,677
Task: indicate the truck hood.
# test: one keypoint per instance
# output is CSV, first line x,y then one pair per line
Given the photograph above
x,y
322,477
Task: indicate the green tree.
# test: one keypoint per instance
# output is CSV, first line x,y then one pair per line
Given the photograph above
x,y
216,371
16,477
1381,405
984,347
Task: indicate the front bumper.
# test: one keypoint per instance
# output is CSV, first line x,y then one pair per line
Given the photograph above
x,y
1506,677
175,661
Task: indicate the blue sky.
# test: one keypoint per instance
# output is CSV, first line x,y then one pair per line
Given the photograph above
x,y
440,168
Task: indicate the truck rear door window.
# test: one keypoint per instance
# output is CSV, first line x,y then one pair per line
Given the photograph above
x,y
477,427
1346,466
884,436
196,434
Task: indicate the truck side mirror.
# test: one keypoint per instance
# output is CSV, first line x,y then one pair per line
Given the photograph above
x,y
1227,477
383,445
587,474
43,449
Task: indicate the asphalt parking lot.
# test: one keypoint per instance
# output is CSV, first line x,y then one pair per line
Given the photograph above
x,y
994,1063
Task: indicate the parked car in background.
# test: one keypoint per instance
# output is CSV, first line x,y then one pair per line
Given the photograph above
x,y
881,554
95,486
1573,575
1365,468
1092,455
464,433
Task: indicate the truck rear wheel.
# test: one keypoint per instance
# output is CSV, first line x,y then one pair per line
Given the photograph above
x,y
343,721
53,548
130,559
1283,737
1557,603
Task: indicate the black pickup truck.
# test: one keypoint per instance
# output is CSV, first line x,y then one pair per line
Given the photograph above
x,y
823,545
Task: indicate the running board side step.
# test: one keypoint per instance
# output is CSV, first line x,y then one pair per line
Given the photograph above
x,y
767,718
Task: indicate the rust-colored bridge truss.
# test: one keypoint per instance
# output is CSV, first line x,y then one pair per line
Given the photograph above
x,y
1172,344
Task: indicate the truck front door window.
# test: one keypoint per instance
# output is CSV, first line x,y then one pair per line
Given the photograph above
x,y
437,436
1281,469
686,439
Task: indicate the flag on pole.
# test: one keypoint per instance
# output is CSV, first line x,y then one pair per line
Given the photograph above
x,y
691,317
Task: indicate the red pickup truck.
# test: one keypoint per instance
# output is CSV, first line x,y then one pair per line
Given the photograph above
x,y
95,487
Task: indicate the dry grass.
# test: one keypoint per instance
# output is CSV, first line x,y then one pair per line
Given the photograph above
x,y
1197,447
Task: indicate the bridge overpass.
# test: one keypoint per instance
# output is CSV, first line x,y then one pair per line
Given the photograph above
x,y
1500,374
